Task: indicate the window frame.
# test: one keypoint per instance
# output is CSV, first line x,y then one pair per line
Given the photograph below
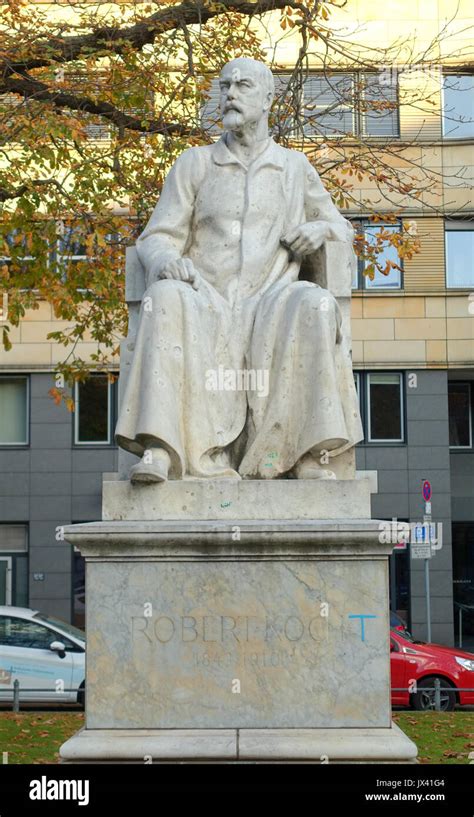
x,y
350,107
384,441
443,107
362,224
361,116
467,383
459,226
111,415
27,443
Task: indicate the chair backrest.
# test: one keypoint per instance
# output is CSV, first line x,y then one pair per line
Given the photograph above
x,y
135,285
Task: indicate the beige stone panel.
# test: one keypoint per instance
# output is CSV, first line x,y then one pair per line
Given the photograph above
x,y
459,328
14,333
26,354
357,352
428,11
43,313
432,157
445,8
395,351
372,329
37,331
356,308
83,350
457,198
461,351
435,307
457,306
436,351
457,156
415,329
393,307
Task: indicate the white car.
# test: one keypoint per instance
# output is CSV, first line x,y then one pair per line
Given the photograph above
x,y
46,655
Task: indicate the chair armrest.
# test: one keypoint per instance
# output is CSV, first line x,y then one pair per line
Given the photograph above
x,y
332,267
135,284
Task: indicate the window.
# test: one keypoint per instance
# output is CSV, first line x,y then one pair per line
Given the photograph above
x,y
360,103
93,411
14,565
384,407
19,632
381,406
458,106
329,105
384,253
72,245
357,383
79,589
378,106
463,582
358,386
459,246
460,415
210,112
14,411
15,248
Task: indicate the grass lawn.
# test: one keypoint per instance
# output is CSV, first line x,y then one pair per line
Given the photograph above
x,y
35,737
441,737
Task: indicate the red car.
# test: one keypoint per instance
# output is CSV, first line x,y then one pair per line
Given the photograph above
x,y
412,661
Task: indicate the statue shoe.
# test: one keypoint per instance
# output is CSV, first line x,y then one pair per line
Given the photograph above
x,y
309,468
156,470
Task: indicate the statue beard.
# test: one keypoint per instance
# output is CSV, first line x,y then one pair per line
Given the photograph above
x,y
233,120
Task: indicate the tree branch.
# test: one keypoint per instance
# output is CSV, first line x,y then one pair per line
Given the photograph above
x,y
30,88
115,39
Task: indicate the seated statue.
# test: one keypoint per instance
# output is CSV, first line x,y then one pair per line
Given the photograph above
x,y
234,368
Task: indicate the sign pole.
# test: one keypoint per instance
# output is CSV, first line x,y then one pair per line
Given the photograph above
x,y
426,492
428,601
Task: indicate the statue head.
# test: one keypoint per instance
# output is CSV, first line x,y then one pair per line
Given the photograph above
x,y
247,89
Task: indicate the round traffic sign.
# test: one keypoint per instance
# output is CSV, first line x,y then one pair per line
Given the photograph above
x,y
426,490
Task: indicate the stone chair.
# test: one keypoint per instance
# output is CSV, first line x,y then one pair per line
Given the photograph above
x,y
332,267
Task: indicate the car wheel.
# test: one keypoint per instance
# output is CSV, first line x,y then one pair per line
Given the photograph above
x,y
424,698
81,695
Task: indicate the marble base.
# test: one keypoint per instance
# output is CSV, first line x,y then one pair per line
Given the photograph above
x,y
239,746
230,499
260,640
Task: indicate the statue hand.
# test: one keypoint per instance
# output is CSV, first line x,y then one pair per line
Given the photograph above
x,y
307,238
182,269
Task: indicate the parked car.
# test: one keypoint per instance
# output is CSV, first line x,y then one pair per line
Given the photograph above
x,y
412,660
397,623
46,655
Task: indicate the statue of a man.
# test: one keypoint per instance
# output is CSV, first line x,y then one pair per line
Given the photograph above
x,y
234,369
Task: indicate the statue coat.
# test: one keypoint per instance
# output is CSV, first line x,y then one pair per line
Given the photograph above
x,y
249,314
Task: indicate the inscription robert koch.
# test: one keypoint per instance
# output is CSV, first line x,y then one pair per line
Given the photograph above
x,y
230,629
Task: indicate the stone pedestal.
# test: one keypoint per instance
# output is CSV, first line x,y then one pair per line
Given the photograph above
x,y
233,639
